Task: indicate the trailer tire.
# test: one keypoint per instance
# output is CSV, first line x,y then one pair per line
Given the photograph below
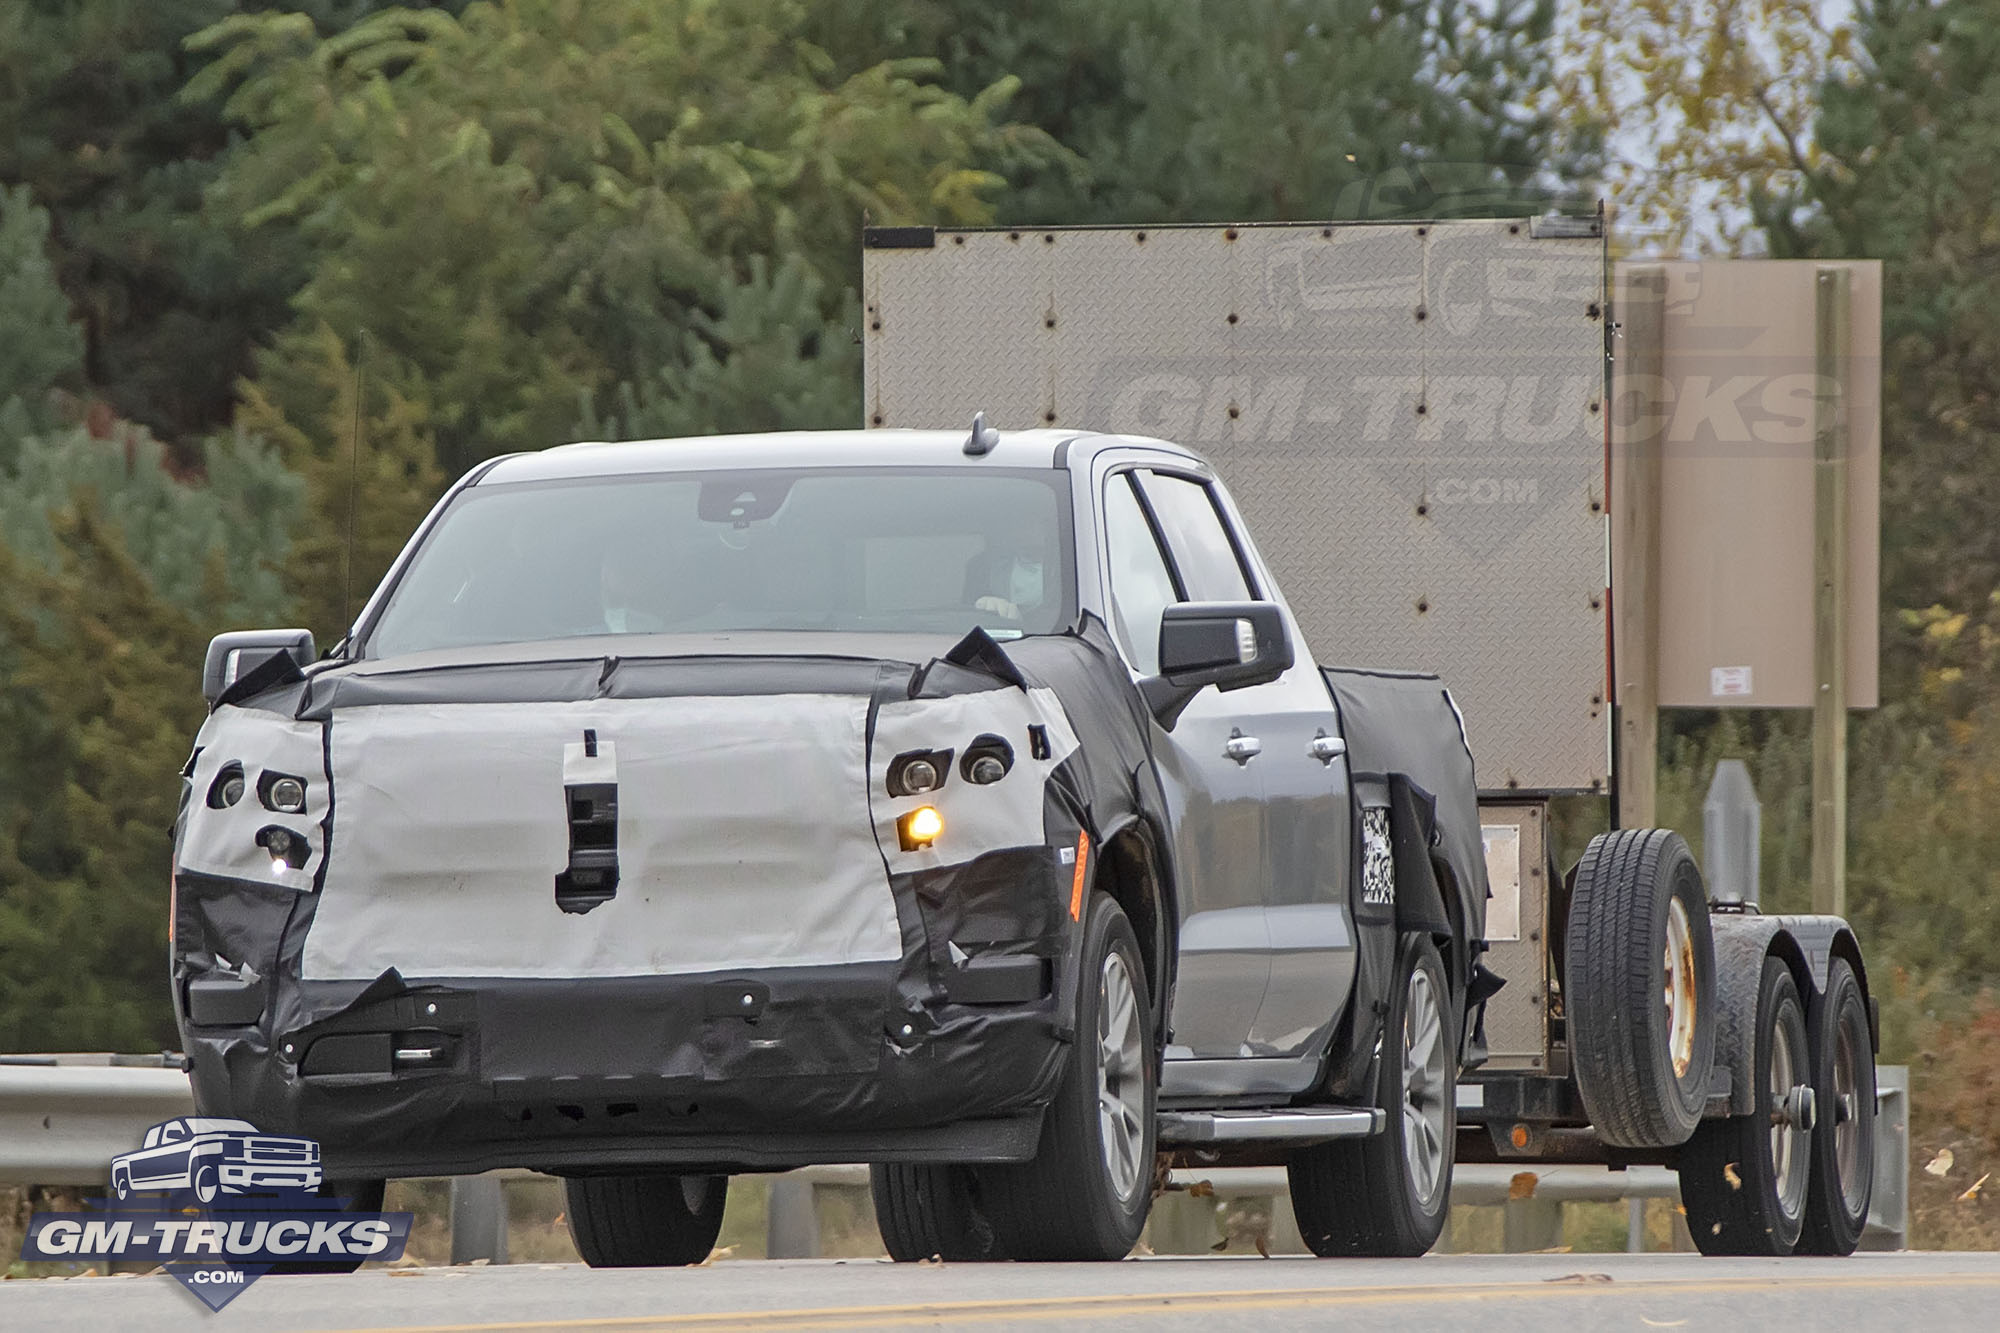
x,y
1086,1193
1639,988
1368,1196
1744,1177
652,1221
1843,1151
927,1212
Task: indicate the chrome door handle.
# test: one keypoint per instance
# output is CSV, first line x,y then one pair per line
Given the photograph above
x,y
1326,748
1242,748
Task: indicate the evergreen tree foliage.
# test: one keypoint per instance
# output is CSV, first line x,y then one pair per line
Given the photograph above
x,y
1256,110
368,464
102,695
39,344
550,196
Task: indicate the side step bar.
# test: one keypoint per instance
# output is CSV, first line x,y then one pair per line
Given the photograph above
x,y
1305,1125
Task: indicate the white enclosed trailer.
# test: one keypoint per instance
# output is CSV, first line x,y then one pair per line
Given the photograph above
x,y
1412,417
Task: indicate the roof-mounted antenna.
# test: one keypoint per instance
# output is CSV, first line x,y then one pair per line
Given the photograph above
x,y
983,437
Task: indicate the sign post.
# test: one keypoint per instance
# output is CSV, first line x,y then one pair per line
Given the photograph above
x,y
1829,736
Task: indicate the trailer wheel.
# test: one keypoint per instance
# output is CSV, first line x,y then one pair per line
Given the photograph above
x,y
1843,1150
645,1221
930,1211
1744,1177
1639,988
1086,1194
1387,1195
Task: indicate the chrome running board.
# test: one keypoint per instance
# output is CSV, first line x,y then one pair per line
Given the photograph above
x,y
1304,1125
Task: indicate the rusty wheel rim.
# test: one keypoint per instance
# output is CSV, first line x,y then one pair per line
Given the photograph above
x,y
1678,995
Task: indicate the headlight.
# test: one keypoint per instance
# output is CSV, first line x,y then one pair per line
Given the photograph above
x,y
227,789
986,760
915,772
283,793
920,828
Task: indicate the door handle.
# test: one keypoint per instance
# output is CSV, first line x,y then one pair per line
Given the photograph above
x,y
1326,748
1242,748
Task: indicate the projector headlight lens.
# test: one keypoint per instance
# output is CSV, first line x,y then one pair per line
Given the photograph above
x,y
287,795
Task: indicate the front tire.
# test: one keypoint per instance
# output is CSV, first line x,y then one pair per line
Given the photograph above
x,y
645,1221
355,1196
1086,1194
1843,1149
1743,1178
1387,1195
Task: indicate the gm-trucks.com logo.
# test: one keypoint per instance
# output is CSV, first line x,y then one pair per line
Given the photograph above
x,y
218,1204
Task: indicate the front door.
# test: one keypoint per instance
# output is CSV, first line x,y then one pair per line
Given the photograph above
x,y
1216,804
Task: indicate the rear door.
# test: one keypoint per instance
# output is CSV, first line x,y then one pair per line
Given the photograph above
x,y
1308,835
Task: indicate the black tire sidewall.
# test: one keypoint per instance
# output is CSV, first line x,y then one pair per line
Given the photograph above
x,y
1831,1228
1107,930
1062,1205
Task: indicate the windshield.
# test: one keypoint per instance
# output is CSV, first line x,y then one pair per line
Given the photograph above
x,y
908,551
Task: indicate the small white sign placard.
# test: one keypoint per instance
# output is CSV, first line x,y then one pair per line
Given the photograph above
x,y
1729,682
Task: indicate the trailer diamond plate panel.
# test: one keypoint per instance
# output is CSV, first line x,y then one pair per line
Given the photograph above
x,y
1409,415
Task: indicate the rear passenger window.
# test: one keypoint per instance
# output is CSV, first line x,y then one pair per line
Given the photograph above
x,y
1202,550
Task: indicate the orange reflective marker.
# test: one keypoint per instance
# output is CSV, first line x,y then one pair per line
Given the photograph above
x,y
1076,881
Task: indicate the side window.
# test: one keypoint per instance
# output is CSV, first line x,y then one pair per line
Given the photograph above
x,y
1203,552
1141,586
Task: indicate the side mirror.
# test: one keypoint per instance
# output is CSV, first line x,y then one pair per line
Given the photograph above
x,y
233,656
1229,645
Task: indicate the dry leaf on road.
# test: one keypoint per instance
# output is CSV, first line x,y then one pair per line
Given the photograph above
x,y
1940,1164
1729,1174
1973,1193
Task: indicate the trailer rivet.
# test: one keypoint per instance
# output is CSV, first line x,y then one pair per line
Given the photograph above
x,y
289,1048
749,1000
430,1009
907,1029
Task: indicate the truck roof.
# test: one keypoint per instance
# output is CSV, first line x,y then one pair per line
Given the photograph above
x,y
837,448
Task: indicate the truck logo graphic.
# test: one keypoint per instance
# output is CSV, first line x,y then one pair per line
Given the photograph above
x,y
209,1156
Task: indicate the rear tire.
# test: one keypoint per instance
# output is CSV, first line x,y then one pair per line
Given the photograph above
x,y
1388,1194
645,1221
1639,988
927,1212
1843,1150
1767,1153
1086,1194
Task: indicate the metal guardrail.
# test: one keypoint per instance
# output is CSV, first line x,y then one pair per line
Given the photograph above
x,y
63,1117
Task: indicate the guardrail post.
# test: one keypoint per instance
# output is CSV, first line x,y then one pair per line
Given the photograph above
x,y
1531,1224
478,1220
792,1220
1889,1208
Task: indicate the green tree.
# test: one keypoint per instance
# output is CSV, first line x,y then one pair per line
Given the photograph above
x,y
172,305
1254,109
368,467
40,346
103,692
551,196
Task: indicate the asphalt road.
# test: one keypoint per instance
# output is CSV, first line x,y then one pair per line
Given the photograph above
x,y
1928,1292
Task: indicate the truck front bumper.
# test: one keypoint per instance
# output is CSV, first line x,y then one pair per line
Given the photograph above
x,y
744,1071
